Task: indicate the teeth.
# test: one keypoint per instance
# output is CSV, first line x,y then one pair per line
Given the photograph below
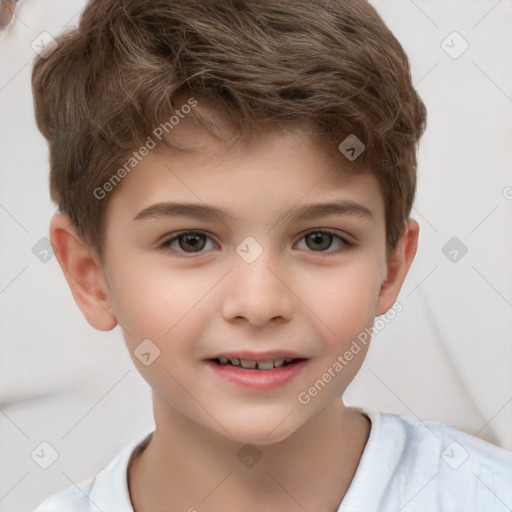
x,y
246,363
251,365
265,365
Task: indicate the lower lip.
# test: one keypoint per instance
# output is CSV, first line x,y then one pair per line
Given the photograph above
x,y
258,380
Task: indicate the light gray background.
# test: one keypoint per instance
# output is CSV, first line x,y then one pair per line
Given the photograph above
x,y
445,357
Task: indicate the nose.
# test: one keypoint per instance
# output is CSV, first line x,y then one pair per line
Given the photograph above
x,y
258,292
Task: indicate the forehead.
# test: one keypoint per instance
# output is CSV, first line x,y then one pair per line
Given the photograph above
x,y
268,173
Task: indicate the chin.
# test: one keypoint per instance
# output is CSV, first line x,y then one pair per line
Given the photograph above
x,y
259,431
259,437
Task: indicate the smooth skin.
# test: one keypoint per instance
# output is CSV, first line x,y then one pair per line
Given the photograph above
x,y
310,294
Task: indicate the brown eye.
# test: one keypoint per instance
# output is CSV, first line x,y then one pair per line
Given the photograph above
x,y
187,242
194,241
319,240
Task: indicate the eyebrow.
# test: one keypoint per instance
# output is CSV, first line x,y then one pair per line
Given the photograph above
x,y
205,212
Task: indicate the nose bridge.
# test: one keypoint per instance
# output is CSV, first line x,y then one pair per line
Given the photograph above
x,y
257,289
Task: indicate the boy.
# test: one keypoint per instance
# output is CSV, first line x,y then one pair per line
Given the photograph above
x,y
202,155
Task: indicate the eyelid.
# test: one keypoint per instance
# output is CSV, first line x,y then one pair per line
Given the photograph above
x,y
335,232
171,237
168,237
346,241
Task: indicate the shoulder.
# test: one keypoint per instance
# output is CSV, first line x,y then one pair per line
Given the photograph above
x,y
106,491
432,443
448,467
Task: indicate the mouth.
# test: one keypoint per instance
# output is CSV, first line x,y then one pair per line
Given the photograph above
x,y
257,372
252,364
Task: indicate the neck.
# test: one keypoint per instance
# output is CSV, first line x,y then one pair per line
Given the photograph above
x,y
188,466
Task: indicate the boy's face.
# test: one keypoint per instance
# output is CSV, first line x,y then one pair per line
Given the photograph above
x,y
247,284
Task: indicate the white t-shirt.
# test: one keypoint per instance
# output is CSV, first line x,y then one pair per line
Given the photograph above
x,y
405,466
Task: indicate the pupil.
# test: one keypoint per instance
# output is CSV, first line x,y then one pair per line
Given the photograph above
x,y
317,237
193,240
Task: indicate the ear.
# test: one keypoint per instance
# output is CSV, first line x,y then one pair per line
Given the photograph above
x,y
83,273
398,264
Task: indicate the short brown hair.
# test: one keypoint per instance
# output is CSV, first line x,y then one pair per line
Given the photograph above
x,y
329,65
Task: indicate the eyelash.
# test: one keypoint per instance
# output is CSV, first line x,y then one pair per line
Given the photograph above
x,y
165,245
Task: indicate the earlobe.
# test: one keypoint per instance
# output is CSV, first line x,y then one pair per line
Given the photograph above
x,y
398,265
83,272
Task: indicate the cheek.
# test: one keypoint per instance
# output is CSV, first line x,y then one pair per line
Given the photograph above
x,y
152,302
346,302
156,302
166,308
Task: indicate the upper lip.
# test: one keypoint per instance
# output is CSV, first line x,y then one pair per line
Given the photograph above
x,y
268,355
